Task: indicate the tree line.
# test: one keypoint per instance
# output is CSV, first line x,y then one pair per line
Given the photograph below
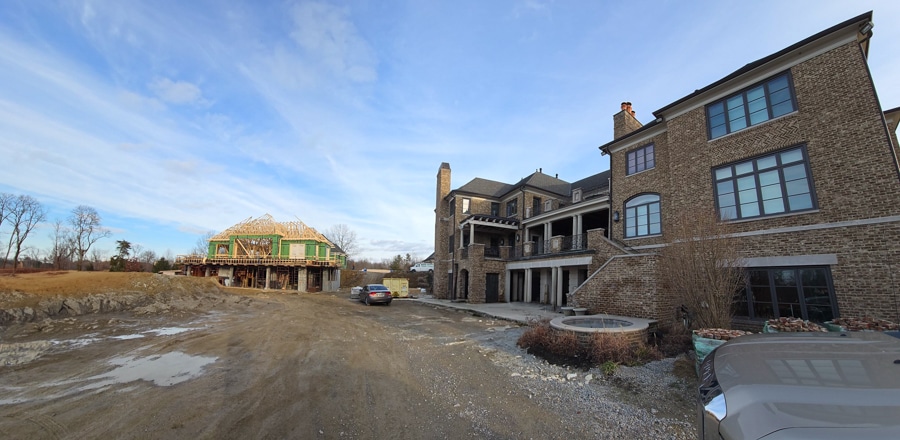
x,y
72,239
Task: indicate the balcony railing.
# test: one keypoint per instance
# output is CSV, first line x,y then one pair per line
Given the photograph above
x,y
539,248
574,243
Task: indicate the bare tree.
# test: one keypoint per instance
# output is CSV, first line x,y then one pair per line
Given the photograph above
x,y
202,245
343,237
34,254
86,230
147,258
99,260
23,213
702,267
6,200
61,252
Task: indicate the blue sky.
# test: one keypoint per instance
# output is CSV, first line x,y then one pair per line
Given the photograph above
x,y
174,118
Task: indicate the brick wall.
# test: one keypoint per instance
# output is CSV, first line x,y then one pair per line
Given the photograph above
x,y
852,170
625,286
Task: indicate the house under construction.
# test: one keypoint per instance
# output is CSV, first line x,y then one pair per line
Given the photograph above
x,y
265,254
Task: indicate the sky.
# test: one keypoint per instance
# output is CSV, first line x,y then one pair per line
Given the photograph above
x,y
175,118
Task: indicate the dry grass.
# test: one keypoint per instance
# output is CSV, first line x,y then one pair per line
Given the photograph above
x,y
72,284
608,347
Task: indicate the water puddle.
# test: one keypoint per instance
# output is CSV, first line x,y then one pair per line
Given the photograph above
x,y
163,370
169,331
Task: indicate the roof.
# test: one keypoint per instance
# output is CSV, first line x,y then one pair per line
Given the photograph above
x,y
494,189
862,18
486,187
266,225
590,183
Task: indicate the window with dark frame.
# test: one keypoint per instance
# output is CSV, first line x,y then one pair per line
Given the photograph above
x,y
641,159
756,104
465,205
642,216
495,209
773,184
512,207
800,292
452,244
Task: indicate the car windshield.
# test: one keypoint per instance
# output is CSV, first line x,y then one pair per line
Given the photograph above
x,y
377,287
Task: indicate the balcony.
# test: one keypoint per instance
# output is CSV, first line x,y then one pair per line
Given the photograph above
x,y
553,246
259,261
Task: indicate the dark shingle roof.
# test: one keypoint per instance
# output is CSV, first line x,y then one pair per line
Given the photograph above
x,y
485,187
539,180
590,183
547,183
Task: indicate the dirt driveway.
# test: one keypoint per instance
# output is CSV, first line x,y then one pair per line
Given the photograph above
x,y
311,366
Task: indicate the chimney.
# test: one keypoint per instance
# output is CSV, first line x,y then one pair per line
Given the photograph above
x,y
624,121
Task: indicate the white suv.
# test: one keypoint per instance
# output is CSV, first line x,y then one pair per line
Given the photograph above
x,y
422,267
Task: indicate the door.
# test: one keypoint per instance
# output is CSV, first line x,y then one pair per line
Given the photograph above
x,y
492,288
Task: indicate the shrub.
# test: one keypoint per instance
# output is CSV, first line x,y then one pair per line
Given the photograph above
x,y
609,368
607,347
702,267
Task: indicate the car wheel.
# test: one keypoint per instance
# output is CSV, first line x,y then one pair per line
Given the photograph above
x,y
367,301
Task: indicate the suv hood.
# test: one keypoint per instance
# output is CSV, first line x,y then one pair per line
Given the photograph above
x,y
848,382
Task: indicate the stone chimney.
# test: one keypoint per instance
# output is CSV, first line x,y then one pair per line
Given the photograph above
x,y
624,122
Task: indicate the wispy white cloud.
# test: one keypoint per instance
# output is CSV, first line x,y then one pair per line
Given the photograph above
x,y
327,35
176,92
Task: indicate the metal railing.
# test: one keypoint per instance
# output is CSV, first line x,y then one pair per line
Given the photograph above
x,y
574,243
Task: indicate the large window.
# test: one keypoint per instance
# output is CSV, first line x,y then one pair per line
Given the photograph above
x,y
641,159
512,208
642,216
495,209
773,184
800,292
751,106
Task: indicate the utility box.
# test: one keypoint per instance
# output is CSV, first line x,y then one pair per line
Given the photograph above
x,y
399,287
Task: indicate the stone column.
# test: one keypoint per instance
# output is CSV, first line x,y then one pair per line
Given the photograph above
x,y
507,285
269,276
471,234
527,285
559,287
554,290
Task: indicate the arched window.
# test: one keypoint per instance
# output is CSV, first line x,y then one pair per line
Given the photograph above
x,y
642,216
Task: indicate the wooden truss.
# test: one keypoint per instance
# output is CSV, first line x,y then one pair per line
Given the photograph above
x,y
266,225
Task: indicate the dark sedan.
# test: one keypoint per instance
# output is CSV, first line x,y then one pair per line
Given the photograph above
x,y
375,294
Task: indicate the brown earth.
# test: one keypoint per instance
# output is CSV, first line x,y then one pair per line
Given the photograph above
x,y
184,358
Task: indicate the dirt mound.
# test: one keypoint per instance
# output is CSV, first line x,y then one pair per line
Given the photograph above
x,y
37,296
